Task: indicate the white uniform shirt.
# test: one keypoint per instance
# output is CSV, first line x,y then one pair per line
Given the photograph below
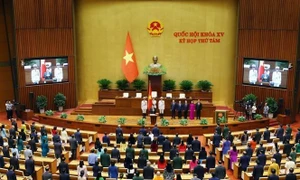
x,y
161,104
254,108
35,75
58,74
253,76
276,78
144,104
64,135
154,103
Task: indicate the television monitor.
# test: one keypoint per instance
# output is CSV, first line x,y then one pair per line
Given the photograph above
x,y
262,72
46,70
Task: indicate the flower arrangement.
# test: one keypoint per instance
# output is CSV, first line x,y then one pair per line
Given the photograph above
x,y
242,119
203,121
258,116
64,115
141,122
49,113
80,117
122,120
183,122
155,71
164,122
102,119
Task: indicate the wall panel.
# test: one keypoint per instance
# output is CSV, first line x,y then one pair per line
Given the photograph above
x,y
47,13
64,12
26,13
6,89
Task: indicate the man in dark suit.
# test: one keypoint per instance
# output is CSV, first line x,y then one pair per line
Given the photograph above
x,y
115,153
148,171
288,129
297,136
179,109
160,139
173,152
176,140
210,161
1,140
177,162
78,136
273,176
199,170
262,158
73,145
10,174
189,153
173,109
47,175
58,149
119,130
196,145
218,129
258,171
230,137
105,139
185,109
130,153
143,131
257,136
147,139
287,148
142,161
279,133
286,137
105,159
2,163
12,132
277,156
198,109
166,146
32,144
29,166
261,148
249,150
216,140
5,151
144,152
55,137
32,127
14,162
244,161
266,135
220,171
155,131
63,166
64,175
291,175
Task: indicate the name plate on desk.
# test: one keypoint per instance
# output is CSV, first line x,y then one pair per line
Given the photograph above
x,y
169,95
181,96
125,95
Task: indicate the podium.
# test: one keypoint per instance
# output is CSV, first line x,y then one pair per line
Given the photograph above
x,y
153,118
156,84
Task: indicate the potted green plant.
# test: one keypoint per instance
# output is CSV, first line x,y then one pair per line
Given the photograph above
x,y
122,84
258,116
64,115
241,119
164,122
204,85
49,113
203,121
141,122
249,98
273,106
102,119
186,85
183,122
41,103
169,85
122,120
60,101
80,117
138,84
104,84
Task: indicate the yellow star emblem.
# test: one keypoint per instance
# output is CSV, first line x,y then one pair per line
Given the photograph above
x,y
128,57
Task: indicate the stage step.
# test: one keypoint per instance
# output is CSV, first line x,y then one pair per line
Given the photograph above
x,y
273,122
81,113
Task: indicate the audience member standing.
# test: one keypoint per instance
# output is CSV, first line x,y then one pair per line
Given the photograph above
x,y
233,156
272,166
63,166
291,175
258,171
47,175
244,161
220,171
73,145
64,175
105,159
177,162
199,171
27,152
210,161
44,145
168,173
273,176
82,167
148,172
161,163
10,174
29,166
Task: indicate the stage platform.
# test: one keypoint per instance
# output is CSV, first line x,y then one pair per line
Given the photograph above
x,y
91,123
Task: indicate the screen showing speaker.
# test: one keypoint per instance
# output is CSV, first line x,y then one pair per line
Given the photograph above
x,y
269,73
46,70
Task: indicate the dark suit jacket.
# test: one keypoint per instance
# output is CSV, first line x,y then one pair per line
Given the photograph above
x,y
47,175
1,161
278,158
297,137
210,162
155,131
257,137
166,146
196,145
287,148
173,153
115,153
12,132
291,177
273,177
260,149
279,133
105,139
258,171
143,131
11,142
119,131
267,135
199,170
160,139
249,151
220,172
64,176
5,152
177,140
78,137
14,162
63,165
217,139
55,138
29,166
262,159
147,140
188,155
244,162
148,172
173,106
198,107
1,141
73,143
32,145
286,138
179,107
23,135
11,175
58,148
43,130
142,162
185,107
219,130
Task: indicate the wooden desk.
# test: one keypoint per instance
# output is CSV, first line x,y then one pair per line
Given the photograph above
x,y
27,115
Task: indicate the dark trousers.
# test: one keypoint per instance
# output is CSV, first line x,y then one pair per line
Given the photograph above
x,y
173,114
179,114
9,114
185,114
74,155
57,156
198,114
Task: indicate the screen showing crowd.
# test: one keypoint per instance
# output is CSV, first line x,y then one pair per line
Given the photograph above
x,y
265,72
46,70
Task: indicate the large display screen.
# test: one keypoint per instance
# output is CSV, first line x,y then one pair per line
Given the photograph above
x,y
270,73
46,70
